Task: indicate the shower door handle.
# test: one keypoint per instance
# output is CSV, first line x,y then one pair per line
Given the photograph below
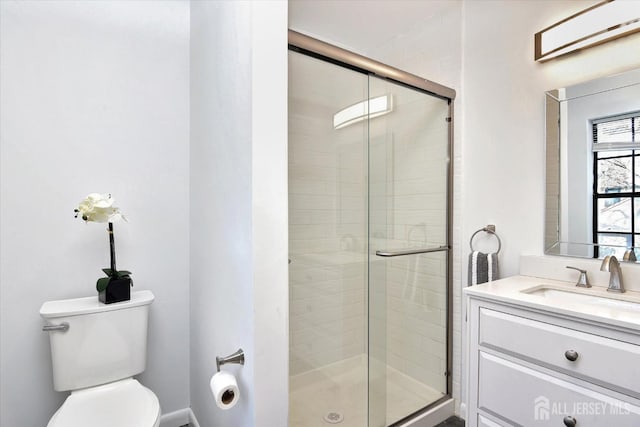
x,y
410,251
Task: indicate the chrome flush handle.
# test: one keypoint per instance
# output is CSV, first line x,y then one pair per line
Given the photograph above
x,y
63,327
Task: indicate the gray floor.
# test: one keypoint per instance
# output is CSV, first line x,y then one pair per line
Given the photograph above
x,y
452,422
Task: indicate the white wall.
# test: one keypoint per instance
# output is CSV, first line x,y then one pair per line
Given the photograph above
x,y
504,114
94,96
238,227
220,203
270,212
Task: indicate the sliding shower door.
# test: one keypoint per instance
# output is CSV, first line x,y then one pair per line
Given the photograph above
x,y
368,245
327,246
408,250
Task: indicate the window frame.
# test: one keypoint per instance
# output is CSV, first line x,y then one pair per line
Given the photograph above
x,y
633,148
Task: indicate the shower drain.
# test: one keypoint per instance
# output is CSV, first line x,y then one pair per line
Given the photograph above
x,y
334,417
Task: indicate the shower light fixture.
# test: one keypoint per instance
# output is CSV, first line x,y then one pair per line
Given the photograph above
x,y
370,108
607,20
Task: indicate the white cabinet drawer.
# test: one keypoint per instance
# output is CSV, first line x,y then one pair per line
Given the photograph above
x,y
529,398
486,422
603,361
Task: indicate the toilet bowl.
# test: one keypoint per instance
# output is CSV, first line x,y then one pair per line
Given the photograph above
x,y
124,403
96,351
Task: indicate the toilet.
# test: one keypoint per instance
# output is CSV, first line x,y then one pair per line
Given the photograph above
x,y
96,349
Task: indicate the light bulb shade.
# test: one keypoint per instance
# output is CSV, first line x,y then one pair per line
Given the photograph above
x,y
367,109
605,21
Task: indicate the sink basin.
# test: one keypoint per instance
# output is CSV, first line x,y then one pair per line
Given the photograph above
x,y
590,297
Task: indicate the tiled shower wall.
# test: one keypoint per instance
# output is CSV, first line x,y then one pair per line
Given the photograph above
x,y
327,229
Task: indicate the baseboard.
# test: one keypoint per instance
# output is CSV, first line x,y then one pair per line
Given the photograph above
x,y
176,418
432,417
463,411
193,422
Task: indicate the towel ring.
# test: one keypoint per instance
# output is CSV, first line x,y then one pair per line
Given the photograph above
x,y
491,229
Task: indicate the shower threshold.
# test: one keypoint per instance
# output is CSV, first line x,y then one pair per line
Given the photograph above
x,y
341,388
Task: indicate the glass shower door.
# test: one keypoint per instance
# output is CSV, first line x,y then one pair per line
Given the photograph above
x,y
368,247
408,253
327,245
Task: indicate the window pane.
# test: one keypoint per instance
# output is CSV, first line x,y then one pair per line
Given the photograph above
x,y
614,214
618,244
636,127
614,175
605,154
636,182
614,131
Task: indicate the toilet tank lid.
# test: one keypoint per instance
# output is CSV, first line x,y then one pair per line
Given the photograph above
x,y
87,305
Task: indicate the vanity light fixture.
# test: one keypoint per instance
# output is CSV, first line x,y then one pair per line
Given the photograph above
x,y
374,107
605,21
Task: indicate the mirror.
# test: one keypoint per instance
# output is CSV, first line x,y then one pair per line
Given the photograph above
x,y
593,168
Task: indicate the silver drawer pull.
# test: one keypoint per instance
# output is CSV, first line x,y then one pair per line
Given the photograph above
x,y
63,327
571,355
570,421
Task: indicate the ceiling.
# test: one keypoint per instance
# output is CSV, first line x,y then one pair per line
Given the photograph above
x,y
362,25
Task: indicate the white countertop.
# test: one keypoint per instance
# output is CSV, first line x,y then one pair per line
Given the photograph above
x,y
509,290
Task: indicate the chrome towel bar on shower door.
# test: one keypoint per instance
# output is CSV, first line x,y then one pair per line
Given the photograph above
x,y
410,251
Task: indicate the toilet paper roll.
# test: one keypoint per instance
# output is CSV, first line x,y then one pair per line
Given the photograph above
x,y
225,390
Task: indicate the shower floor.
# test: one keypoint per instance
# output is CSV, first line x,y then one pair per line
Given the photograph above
x,y
342,388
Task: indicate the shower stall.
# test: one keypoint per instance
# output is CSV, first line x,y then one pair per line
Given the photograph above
x,y
369,240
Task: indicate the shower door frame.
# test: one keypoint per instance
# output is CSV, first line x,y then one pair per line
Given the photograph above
x,y
306,45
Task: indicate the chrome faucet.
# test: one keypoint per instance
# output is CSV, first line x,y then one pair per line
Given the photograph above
x,y
610,263
583,280
630,256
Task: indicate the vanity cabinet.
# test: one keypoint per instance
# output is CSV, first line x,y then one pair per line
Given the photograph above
x,y
533,367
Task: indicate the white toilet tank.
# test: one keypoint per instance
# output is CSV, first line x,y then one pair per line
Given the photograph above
x,y
104,342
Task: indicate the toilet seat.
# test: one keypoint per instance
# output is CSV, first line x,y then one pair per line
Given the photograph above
x,y
124,403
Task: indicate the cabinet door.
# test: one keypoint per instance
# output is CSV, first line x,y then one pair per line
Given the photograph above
x,y
530,398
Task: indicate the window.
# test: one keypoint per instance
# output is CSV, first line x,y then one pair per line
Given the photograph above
x,y
616,192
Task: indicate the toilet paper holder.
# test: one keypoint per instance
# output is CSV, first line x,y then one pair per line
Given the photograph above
x,y
237,357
